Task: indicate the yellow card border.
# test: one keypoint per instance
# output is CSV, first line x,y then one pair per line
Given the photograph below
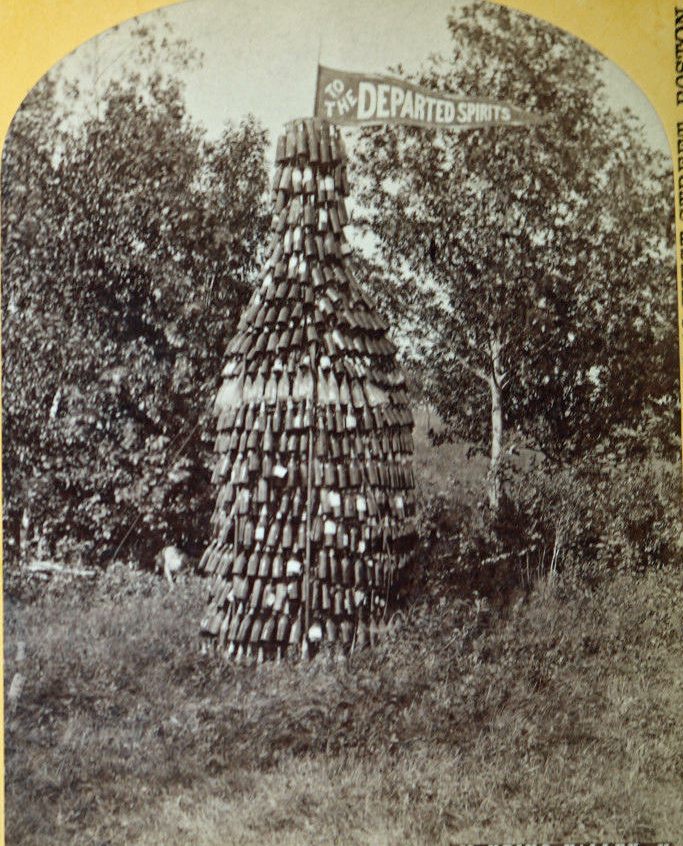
x,y
638,35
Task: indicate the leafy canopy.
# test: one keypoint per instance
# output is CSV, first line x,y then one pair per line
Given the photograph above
x,y
539,257
129,243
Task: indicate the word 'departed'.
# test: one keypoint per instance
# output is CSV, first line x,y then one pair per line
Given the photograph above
x,y
343,97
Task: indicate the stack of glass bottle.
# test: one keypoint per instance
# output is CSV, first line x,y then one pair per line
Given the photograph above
x,y
314,513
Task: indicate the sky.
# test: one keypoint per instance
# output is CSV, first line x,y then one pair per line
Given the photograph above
x,y
261,56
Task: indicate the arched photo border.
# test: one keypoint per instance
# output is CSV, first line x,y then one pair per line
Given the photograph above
x,y
639,36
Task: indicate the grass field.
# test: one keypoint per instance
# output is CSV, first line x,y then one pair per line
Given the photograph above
x,y
558,717
562,719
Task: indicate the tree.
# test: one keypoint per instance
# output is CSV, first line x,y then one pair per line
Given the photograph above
x,y
129,247
530,269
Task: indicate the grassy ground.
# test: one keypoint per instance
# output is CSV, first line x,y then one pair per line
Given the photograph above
x,y
562,719
465,483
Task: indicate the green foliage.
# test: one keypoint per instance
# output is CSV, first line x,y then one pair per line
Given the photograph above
x,y
129,244
536,261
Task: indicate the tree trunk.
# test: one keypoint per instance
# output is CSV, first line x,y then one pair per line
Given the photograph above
x,y
494,482
24,527
495,382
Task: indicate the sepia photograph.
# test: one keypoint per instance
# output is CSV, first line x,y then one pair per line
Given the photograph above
x,y
341,435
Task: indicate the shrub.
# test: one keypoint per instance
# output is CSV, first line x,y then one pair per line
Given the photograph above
x,y
594,518
601,515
